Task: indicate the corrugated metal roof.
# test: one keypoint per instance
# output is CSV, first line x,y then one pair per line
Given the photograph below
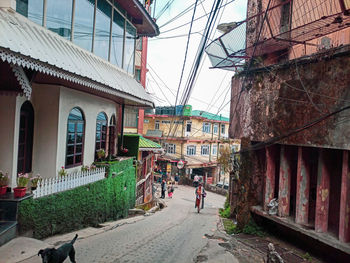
x,y
146,143
20,35
209,116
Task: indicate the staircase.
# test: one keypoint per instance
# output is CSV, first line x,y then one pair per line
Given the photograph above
x,y
8,216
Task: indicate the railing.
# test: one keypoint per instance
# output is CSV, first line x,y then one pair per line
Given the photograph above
x,y
57,184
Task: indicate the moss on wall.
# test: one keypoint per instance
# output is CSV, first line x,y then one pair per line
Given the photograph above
x,y
87,205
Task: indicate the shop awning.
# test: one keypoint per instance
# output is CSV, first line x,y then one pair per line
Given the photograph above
x,y
28,45
148,145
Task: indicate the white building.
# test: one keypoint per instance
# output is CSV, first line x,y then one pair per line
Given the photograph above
x,y
66,74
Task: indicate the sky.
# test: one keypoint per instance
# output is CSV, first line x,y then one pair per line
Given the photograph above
x,y
167,51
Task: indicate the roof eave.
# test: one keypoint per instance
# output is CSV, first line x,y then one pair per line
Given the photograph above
x,y
155,29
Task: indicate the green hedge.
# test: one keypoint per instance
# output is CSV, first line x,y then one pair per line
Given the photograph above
x,y
87,205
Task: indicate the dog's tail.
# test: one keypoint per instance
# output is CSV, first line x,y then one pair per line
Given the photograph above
x,y
75,238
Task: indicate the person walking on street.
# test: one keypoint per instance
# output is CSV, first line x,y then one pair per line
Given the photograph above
x,y
163,188
198,192
196,181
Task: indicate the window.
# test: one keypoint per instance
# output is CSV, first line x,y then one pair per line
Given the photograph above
x,y
285,17
205,150
191,150
139,44
75,138
215,128
156,126
84,23
59,17
206,127
215,149
188,126
166,122
33,9
111,136
171,148
117,39
129,48
102,28
101,132
222,128
138,75
130,117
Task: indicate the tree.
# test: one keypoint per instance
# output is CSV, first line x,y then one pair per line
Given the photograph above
x,y
225,159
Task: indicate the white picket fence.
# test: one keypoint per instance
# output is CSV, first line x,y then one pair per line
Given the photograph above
x,y
57,184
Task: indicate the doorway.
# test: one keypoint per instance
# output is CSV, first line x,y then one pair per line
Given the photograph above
x,y
25,140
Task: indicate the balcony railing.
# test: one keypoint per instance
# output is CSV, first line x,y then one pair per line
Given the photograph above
x,y
284,24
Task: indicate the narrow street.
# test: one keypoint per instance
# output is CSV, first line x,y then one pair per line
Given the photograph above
x,y
175,234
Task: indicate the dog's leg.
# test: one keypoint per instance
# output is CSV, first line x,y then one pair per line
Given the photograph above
x,y
72,255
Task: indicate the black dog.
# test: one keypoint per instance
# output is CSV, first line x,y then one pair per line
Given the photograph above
x,y
52,255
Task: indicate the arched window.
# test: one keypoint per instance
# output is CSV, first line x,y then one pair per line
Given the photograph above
x,y
101,132
111,137
75,138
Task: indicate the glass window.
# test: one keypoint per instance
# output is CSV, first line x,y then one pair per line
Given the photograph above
x,y
130,118
129,51
102,29
206,127
222,128
117,39
215,149
138,75
188,126
59,17
101,132
205,150
191,150
75,138
33,9
171,148
156,126
83,23
215,128
139,43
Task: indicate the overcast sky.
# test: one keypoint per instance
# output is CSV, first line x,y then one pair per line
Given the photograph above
x,y
166,54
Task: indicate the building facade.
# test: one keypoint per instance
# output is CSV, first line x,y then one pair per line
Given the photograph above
x,y
289,106
66,75
195,139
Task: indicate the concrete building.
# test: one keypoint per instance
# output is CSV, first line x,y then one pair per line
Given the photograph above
x,y
290,106
67,73
195,139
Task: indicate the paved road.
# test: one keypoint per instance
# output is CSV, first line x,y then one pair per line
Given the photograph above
x,y
175,234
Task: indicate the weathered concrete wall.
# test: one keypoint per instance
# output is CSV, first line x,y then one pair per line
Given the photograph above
x,y
275,101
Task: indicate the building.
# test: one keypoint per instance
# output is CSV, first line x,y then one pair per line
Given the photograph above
x,y
195,138
289,106
67,74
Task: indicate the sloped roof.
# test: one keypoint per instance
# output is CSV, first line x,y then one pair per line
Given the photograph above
x,y
146,143
209,116
29,45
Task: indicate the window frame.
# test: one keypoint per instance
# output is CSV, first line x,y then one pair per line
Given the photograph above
x,y
171,146
102,133
215,128
75,164
205,147
156,125
223,129
189,149
214,146
206,127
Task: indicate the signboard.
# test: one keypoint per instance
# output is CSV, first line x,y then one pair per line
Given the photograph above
x,y
168,167
180,164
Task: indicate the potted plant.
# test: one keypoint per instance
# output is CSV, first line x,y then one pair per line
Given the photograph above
x,y
34,182
101,154
62,172
4,179
22,182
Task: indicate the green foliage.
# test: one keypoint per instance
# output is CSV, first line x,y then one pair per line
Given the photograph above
x,y
307,257
253,229
230,227
225,213
87,205
227,202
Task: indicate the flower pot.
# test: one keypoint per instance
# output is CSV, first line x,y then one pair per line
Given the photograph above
x,y
3,190
19,192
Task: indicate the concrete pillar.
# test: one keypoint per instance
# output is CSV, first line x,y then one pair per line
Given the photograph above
x,y
269,176
303,188
322,195
344,219
284,183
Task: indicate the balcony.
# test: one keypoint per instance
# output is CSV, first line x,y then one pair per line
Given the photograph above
x,y
284,25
